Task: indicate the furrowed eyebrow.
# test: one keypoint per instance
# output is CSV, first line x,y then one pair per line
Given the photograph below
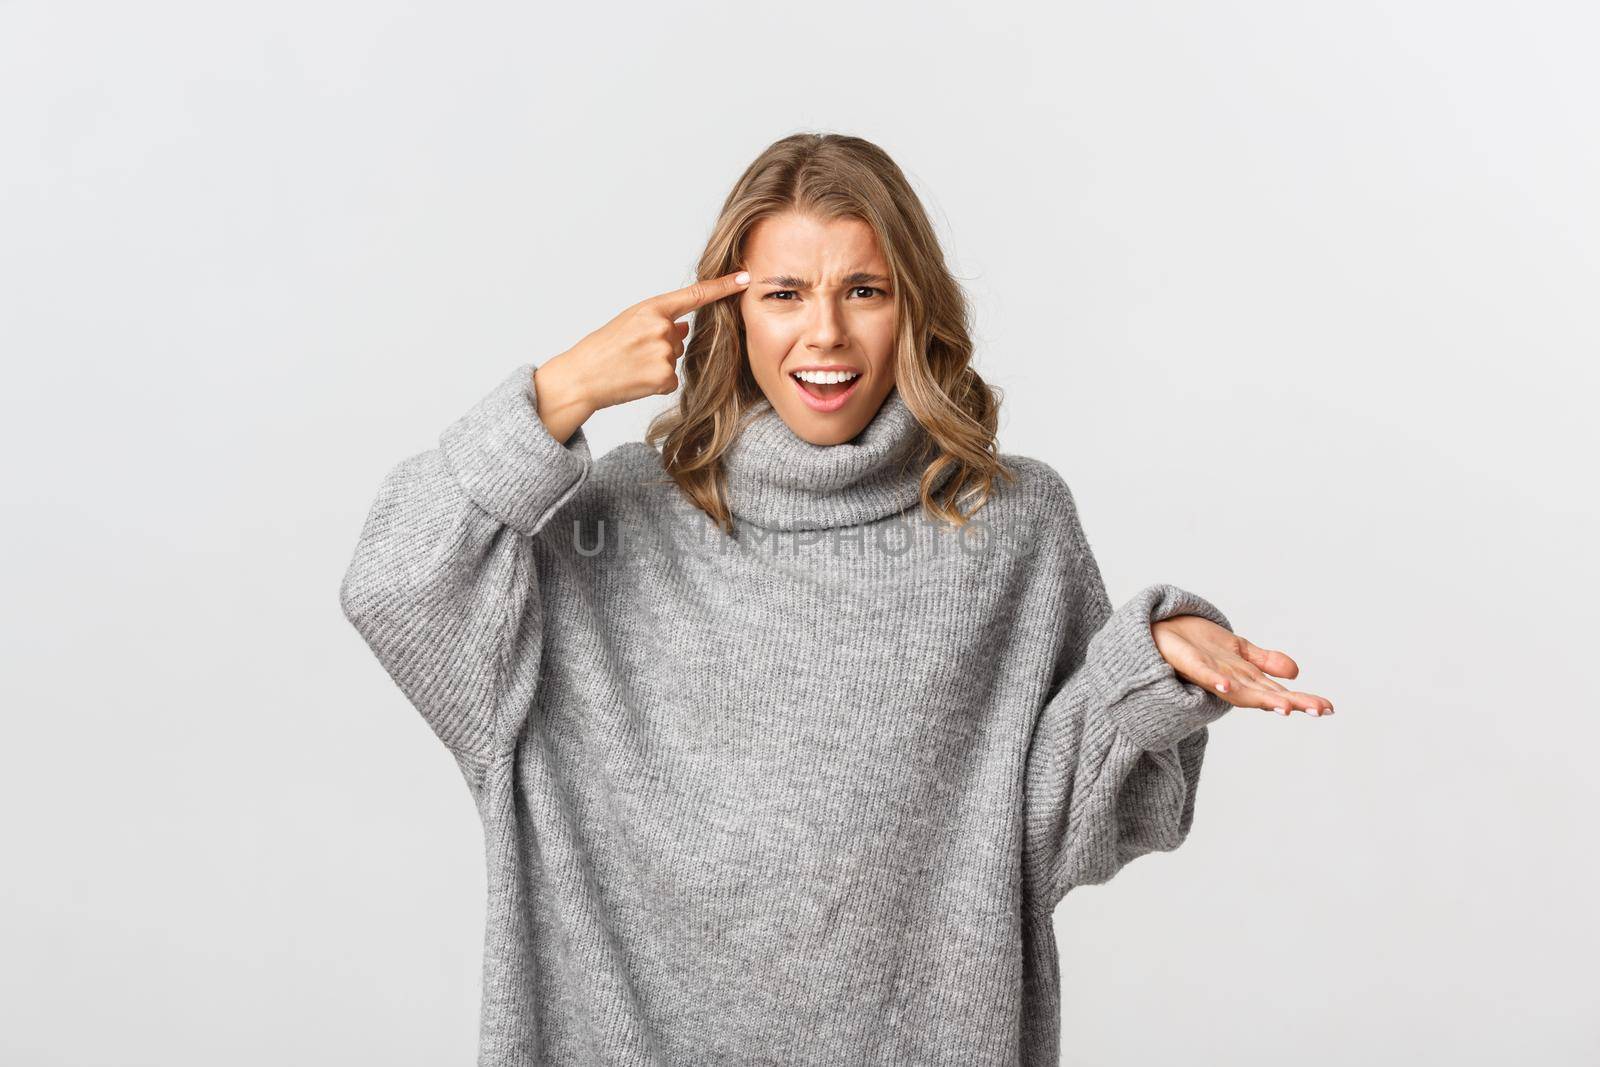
x,y
790,281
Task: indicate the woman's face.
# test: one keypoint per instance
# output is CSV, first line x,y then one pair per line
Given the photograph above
x,y
820,303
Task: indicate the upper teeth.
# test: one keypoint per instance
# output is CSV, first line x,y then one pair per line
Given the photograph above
x,y
825,377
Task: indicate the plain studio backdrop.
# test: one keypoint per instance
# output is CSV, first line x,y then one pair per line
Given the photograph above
x,y
1298,297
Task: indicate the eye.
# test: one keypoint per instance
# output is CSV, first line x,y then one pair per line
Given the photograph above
x,y
854,289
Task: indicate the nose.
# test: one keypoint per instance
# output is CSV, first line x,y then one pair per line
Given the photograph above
x,y
825,331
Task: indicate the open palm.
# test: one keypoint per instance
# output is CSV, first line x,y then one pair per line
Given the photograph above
x,y
1212,656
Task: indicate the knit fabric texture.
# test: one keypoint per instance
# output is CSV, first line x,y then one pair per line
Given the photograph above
x,y
806,793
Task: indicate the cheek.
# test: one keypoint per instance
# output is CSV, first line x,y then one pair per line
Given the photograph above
x,y
880,337
763,333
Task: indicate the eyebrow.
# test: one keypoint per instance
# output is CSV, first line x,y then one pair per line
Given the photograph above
x,y
791,281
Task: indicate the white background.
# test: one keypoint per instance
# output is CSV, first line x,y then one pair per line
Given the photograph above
x,y
1300,299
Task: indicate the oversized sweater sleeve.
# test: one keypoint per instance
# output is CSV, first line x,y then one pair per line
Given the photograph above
x,y
1115,756
443,585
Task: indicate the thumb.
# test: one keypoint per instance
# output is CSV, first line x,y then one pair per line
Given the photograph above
x,y
1270,661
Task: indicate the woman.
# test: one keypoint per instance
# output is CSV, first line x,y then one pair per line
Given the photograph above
x,y
790,725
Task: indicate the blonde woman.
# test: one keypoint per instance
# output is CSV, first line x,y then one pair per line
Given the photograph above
x,y
790,725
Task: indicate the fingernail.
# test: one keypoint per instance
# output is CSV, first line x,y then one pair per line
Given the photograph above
x,y
1222,687
1281,711
742,277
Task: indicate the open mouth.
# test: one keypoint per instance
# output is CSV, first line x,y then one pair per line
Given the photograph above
x,y
825,390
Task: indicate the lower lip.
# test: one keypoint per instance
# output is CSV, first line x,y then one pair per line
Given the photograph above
x,y
832,403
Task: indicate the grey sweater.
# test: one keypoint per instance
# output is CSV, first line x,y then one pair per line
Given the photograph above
x,y
806,794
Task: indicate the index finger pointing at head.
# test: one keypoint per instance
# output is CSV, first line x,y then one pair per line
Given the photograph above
x,y
682,301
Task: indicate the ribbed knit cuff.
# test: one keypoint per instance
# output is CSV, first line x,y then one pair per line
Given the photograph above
x,y
1149,701
507,461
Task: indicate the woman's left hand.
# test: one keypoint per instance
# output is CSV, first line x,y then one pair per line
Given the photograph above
x,y
1212,656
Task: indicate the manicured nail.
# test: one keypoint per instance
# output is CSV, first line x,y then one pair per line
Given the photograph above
x,y
742,277
1281,711
1222,687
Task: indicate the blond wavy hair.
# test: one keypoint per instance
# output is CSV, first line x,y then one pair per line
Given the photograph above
x,y
833,176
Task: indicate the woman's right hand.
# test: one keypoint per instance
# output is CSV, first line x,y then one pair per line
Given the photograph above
x,y
634,355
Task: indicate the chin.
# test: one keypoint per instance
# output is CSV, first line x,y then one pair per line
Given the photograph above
x,y
833,427
831,432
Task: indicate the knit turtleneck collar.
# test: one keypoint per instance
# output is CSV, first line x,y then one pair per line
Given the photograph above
x,y
779,481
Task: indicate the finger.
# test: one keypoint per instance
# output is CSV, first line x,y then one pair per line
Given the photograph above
x,y
682,301
1204,674
1243,673
1284,702
681,328
1236,674
1263,681
1290,700
1270,660
1250,696
1310,703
